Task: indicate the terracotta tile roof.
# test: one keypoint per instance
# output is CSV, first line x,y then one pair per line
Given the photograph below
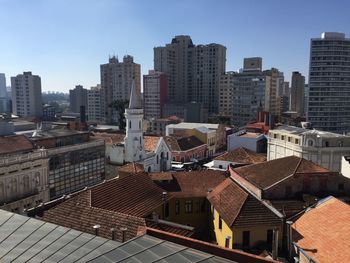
x,y
151,143
131,168
135,194
111,138
324,231
170,228
16,143
77,213
239,208
161,176
242,155
183,144
193,183
264,175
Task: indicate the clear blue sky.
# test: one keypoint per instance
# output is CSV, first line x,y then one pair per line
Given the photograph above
x,y
65,41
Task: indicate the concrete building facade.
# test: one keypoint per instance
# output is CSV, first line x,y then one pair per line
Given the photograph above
x,y
298,93
77,98
193,71
155,89
116,79
329,83
26,95
323,148
94,103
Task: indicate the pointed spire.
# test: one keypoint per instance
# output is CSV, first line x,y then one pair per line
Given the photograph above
x,y
135,97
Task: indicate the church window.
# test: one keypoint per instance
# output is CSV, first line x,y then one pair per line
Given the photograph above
x,y
157,159
140,125
167,155
130,124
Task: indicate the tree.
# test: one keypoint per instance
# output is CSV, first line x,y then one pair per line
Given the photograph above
x,y
119,106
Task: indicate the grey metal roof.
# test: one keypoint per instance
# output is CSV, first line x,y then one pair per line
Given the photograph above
x,y
25,239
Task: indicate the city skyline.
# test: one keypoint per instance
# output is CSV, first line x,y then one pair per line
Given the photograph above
x,y
65,43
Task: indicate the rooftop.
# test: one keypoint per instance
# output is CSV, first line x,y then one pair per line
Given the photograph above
x,y
242,155
151,143
183,144
131,168
26,239
54,133
300,131
15,143
110,138
323,231
193,125
266,174
238,207
190,184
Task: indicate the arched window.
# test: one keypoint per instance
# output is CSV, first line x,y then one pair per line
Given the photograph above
x,y
26,183
149,169
140,125
167,155
310,142
157,159
129,124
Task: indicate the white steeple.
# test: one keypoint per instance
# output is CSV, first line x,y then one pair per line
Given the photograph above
x,y
133,142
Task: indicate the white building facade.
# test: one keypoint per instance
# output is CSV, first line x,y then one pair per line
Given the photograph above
x,y
323,148
94,112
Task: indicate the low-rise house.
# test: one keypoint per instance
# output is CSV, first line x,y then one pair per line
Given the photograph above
x,y
255,142
23,174
214,135
158,126
321,233
323,148
186,149
242,220
238,157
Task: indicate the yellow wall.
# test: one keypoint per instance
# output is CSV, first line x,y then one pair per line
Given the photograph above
x,y
198,218
221,234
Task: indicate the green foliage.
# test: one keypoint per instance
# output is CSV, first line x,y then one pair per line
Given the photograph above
x,y
119,106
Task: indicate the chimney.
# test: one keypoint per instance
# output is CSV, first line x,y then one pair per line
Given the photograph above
x,y
96,228
113,233
275,244
155,217
123,229
289,239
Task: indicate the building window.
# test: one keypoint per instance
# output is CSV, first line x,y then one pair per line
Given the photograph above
x,y
129,124
140,125
188,207
282,137
157,159
310,143
246,239
220,222
289,138
227,241
296,141
274,135
177,207
326,144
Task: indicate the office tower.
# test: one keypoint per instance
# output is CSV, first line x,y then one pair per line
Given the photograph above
x,y
155,89
329,83
297,93
26,95
242,95
77,98
94,103
274,83
3,92
116,80
284,97
193,71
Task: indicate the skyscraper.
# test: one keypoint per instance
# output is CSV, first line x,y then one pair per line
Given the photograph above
x,y
155,89
26,95
297,93
329,83
193,71
77,98
3,92
94,103
116,80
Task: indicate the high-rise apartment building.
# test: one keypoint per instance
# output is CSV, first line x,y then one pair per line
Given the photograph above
x,y
242,95
329,83
297,93
26,95
274,85
77,98
116,80
94,103
155,88
193,71
3,92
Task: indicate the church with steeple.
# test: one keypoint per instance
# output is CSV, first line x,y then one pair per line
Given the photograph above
x,y
150,151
